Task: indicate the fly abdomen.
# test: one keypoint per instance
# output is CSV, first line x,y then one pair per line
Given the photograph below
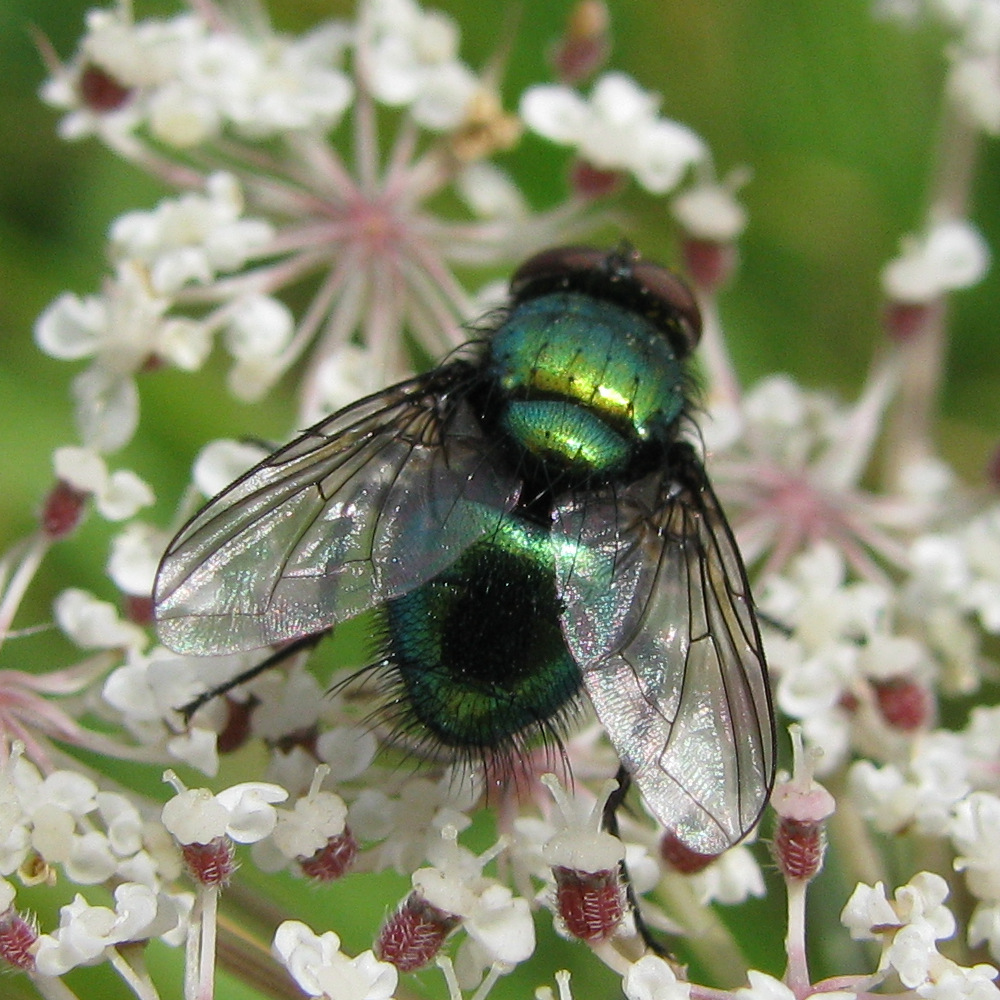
x,y
478,653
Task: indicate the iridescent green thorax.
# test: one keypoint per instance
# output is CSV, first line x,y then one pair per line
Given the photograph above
x,y
478,650
584,382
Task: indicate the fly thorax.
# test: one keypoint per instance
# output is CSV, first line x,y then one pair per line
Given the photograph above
x,y
582,386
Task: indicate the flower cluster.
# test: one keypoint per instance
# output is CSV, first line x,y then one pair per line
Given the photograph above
x,y
335,201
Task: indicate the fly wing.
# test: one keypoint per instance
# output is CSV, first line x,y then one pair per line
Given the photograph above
x,y
660,619
361,508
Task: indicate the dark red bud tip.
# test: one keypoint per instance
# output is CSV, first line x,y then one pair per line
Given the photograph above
x,y
63,510
585,46
591,904
589,181
903,321
682,858
139,609
210,864
17,939
904,703
798,849
993,469
414,934
100,91
238,725
709,265
332,861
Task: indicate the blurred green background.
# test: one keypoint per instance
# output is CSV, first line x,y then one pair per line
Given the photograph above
x,y
833,111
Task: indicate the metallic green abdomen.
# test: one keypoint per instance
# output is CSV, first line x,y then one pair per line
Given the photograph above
x,y
479,650
584,383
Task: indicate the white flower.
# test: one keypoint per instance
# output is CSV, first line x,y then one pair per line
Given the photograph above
x,y
974,85
192,238
973,831
652,978
732,878
616,129
412,60
708,210
135,554
85,931
580,842
221,462
95,624
316,817
950,981
117,496
498,924
243,812
258,329
949,256
909,926
320,968
935,779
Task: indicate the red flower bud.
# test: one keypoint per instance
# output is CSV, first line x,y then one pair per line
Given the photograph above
x,y
414,934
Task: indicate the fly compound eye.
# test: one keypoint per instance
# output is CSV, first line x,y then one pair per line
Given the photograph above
x,y
652,291
674,302
555,268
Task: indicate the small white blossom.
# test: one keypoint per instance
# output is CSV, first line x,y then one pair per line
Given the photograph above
x,y
221,462
321,969
135,555
118,495
708,210
732,878
652,978
973,831
95,624
243,812
949,256
85,931
909,925
580,842
616,129
192,238
413,61
316,817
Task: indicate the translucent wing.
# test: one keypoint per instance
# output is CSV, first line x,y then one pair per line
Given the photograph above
x,y
660,619
364,506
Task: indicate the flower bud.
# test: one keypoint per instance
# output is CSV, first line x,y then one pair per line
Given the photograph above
x,y
333,860
682,858
63,509
591,905
211,864
101,92
584,46
803,806
904,703
17,937
414,934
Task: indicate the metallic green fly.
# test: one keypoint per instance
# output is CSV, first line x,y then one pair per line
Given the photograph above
x,y
532,522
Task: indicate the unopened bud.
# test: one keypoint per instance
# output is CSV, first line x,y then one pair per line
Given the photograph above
x,y
17,939
904,703
591,905
332,861
100,91
414,934
63,510
210,864
585,46
803,807
682,858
